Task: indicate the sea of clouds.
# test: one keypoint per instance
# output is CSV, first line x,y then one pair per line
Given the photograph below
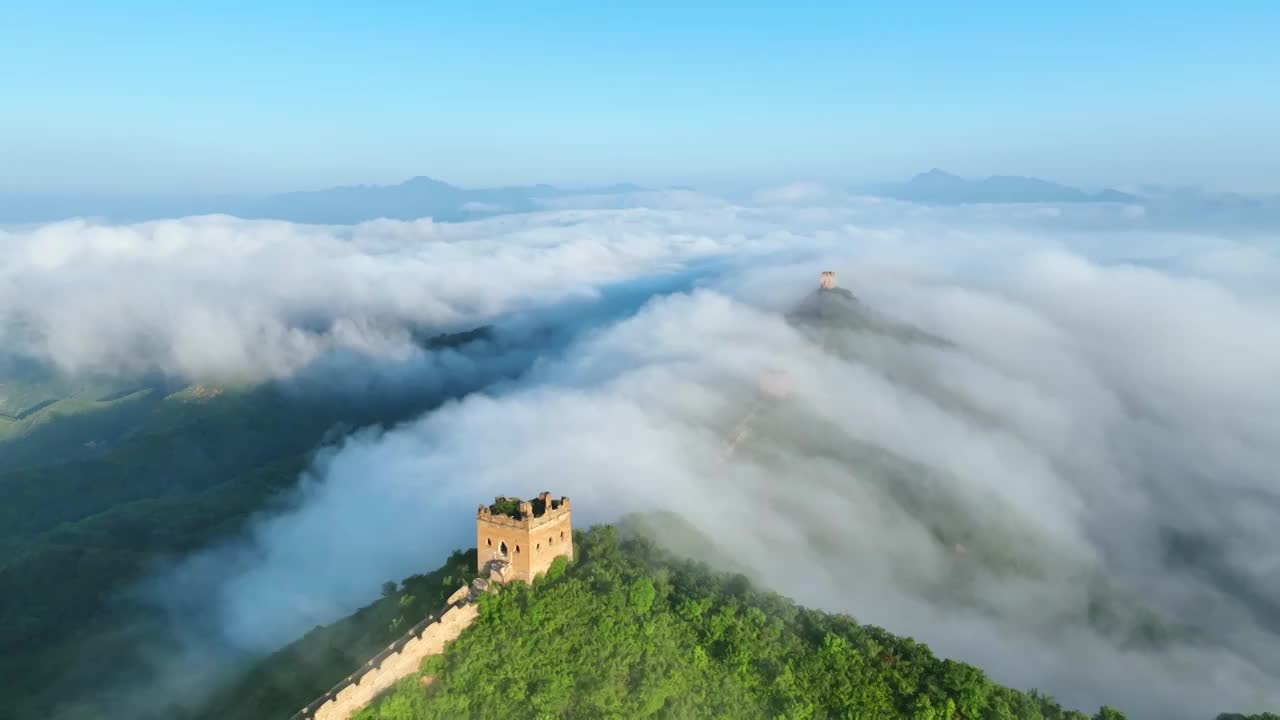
x,y
1103,426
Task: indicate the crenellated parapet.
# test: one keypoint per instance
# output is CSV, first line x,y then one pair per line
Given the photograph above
x,y
523,514
401,658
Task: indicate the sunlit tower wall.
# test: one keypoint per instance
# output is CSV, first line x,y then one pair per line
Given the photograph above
x,y
519,539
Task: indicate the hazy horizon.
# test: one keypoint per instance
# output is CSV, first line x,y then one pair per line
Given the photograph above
x,y
728,186
143,98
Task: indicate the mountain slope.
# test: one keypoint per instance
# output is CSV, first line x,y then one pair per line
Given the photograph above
x,y
943,188
629,630
278,685
102,483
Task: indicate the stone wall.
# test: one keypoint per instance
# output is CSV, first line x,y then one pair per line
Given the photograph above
x,y
529,551
401,659
527,545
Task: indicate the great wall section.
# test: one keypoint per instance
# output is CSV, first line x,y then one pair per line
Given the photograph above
x,y
401,659
516,540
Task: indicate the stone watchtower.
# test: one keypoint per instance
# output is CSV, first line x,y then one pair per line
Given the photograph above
x,y
517,539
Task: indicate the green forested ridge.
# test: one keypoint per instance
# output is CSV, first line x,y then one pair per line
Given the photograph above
x,y
45,421
74,534
281,684
629,631
99,483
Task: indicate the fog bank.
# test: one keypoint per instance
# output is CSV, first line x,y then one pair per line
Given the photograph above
x,y
1073,487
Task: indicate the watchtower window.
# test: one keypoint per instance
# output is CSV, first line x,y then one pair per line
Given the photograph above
x,y
517,549
561,534
488,541
550,541
538,546
502,548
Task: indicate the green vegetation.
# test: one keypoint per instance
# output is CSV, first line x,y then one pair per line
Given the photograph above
x,y
66,419
506,506
630,631
185,472
510,506
102,483
281,684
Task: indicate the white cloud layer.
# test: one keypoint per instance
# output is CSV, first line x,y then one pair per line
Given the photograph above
x,y
1097,445
221,298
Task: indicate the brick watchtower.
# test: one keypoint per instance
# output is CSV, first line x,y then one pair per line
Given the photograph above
x,y
518,539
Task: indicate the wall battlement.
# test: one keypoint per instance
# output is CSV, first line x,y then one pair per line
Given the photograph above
x,y
519,539
401,658
530,513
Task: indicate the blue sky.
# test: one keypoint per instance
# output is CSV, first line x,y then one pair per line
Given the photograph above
x,y
141,97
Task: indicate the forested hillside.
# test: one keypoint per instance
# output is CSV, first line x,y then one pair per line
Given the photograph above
x,y
277,686
630,631
627,631
186,471
102,482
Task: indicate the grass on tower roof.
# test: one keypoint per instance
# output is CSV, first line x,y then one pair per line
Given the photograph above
x,y
511,507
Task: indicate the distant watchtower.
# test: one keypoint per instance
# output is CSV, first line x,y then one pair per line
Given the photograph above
x,y
828,280
517,539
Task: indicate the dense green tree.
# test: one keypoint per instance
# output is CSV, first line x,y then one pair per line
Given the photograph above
x,y
103,482
628,631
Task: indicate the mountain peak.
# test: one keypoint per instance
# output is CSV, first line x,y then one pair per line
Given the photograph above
x,y
939,186
936,174
423,181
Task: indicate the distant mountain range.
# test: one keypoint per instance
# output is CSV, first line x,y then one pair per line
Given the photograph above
x,y
415,198
939,187
1177,208
422,196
